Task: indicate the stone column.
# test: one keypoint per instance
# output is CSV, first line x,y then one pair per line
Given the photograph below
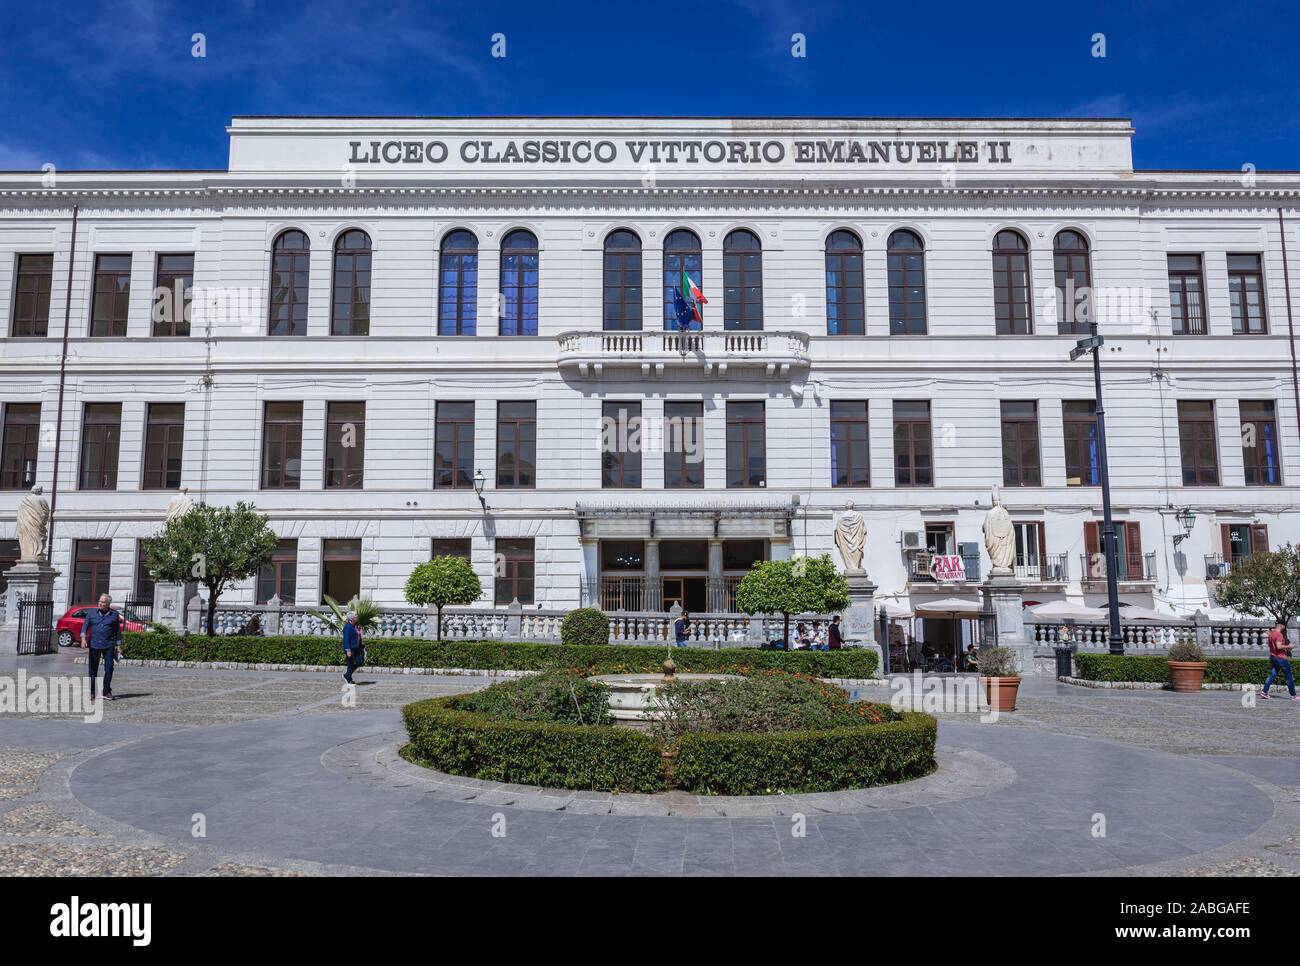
x,y
171,603
590,595
33,579
514,620
1004,595
271,625
654,584
196,616
714,588
860,619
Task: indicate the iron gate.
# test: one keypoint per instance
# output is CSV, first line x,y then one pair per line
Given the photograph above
x,y
36,625
138,609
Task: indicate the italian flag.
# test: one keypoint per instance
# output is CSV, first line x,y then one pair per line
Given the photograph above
x,y
693,296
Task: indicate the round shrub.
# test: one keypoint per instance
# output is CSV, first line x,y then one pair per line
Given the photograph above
x,y
586,625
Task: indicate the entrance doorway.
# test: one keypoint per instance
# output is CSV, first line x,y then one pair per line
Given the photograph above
x,y
684,569
690,592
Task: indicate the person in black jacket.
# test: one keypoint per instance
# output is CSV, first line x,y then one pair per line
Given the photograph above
x,y
354,648
834,638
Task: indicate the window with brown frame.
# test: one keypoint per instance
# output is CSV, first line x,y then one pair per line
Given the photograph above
x,y
350,302
1082,458
173,294
450,547
1187,295
514,571
1021,459
746,445
111,305
164,446
682,253
453,445
1246,295
1073,269
683,445
742,281
345,445
913,454
519,281
92,563
622,281
620,445
1128,551
907,296
278,577
282,446
340,570
458,284
516,445
1198,442
850,446
31,313
20,446
101,435
846,312
1240,540
290,277
1259,442
1012,308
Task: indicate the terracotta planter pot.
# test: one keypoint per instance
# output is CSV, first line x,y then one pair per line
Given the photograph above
x,y
1187,675
1001,692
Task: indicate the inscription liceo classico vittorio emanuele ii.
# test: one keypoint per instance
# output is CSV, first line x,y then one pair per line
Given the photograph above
x,y
587,151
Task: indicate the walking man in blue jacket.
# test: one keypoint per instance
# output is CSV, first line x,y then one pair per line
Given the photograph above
x,y
354,648
101,632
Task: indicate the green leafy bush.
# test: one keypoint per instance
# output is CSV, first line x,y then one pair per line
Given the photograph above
x,y
553,696
1154,668
501,655
586,625
460,742
1186,651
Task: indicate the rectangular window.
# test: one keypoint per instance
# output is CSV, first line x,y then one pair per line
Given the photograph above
x,y
1082,460
101,434
164,445
172,295
516,445
620,445
913,465
144,581
850,459
514,571
1187,295
683,445
450,547
109,310
31,314
1259,446
20,445
345,445
278,577
92,561
1246,295
453,445
1021,465
340,570
746,445
1128,552
1197,438
1240,540
282,446
1031,549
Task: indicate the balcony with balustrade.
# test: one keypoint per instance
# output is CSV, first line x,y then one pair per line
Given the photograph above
x,y
1043,570
1136,571
774,355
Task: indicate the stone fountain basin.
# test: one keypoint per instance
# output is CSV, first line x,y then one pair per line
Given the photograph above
x,y
632,696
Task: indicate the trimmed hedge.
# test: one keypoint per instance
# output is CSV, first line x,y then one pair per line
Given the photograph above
x,y
586,625
500,655
592,757
807,761
1150,668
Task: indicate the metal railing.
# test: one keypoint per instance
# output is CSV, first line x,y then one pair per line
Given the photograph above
x,y
1132,567
921,568
644,594
36,625
1216,568
1049,568
775,351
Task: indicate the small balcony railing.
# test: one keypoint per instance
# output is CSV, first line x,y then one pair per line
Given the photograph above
x,y
928,568
1049,568
1133,568
643,594
1216,568
775,354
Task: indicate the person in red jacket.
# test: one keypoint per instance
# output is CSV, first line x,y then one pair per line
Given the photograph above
x,y
1279,659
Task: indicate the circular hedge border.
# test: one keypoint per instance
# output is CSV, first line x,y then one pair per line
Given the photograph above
x,y
606,758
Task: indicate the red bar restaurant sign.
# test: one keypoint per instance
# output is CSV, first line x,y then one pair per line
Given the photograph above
x,y
947,568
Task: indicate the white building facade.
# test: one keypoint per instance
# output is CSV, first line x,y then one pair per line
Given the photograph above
x,y
382,309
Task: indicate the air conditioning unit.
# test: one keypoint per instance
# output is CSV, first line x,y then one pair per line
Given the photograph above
x,y
912,539
1215,571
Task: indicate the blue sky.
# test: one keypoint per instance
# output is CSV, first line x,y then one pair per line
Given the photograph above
x,y
114,85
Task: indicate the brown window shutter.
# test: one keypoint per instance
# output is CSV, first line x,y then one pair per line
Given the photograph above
x,y
1226,532
1042,545
1093,566
1258,538
1133,544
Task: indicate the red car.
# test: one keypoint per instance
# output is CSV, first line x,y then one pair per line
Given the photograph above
x,y
68,628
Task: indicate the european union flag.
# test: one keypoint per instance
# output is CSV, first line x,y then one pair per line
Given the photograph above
x,y
682,308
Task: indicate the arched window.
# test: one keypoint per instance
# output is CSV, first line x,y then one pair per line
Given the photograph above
x,y
682,253
350,307
845,310
906,283
519,283
622,281
742,281
290,269
1073,270
458,284
1011,288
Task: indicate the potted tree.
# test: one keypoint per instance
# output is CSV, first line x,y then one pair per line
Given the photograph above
x,y
1187,666
999,677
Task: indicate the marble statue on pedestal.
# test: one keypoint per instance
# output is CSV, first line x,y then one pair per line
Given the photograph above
x,y
33,525
850,538
179,505
1000,537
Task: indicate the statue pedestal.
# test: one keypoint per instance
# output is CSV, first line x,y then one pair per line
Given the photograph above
x,y
1004,595
33,579
170,602
860,619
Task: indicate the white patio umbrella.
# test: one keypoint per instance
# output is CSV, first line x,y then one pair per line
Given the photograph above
x,y
897,611
954,607
1065,610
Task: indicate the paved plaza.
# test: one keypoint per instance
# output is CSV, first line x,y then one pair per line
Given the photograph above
x,y
282,779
